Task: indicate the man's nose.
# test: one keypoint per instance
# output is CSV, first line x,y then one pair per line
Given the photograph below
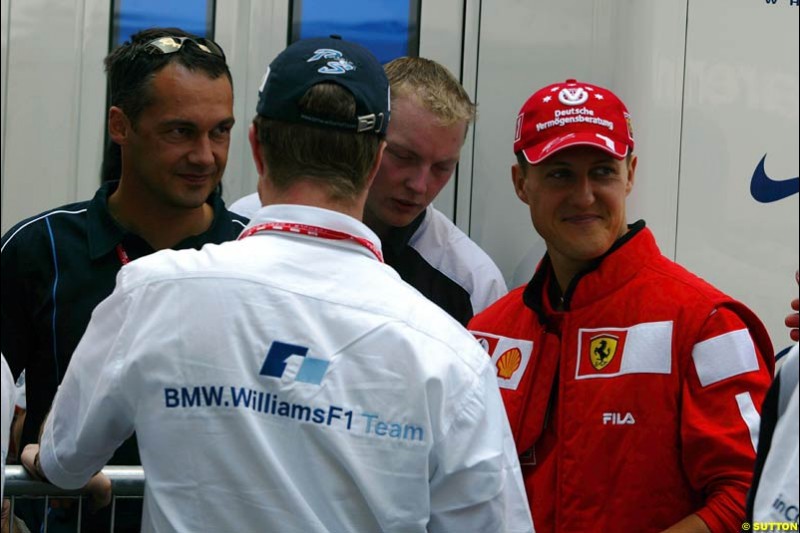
x,y
583,192
417,179
202,152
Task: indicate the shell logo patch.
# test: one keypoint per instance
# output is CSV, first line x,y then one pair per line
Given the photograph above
x,y
602,350
509,356
508,363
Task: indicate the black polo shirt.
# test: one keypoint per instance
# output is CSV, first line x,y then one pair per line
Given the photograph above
x,y
422,274
56,267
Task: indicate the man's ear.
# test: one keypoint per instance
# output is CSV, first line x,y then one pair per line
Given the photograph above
x,y
119,127
375,165
255,150
631,174
518,177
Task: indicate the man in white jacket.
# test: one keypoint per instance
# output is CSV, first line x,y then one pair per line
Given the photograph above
x,y
290,381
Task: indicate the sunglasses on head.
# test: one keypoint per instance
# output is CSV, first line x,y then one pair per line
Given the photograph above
x,y
170,45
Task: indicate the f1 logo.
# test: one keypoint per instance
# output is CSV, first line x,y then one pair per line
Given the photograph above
x,y
311,370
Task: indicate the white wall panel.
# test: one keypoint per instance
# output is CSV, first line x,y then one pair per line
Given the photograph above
x,y
647,46
620,44
41,106
440,36
5,6
469,79
741,103
252,33
91,114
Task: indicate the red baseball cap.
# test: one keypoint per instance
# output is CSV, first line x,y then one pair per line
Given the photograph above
x,y
572,113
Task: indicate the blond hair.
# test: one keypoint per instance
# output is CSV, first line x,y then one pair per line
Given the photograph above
x,y
433,86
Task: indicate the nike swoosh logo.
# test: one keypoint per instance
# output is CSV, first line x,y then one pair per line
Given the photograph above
x,y
766,190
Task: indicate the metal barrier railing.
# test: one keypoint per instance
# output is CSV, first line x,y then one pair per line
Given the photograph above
x,y
126,482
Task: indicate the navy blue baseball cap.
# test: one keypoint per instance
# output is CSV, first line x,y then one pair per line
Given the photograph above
x,y
311,61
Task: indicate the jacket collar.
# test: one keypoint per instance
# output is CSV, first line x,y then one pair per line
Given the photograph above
x,y
104,232
603,276
398,238
315,216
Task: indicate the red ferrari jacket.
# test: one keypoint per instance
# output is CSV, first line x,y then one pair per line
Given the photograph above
x,y
637,404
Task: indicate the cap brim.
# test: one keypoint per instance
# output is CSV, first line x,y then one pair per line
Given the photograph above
x,y
538,153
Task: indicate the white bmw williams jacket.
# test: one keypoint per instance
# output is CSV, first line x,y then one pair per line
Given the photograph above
x,y
290,383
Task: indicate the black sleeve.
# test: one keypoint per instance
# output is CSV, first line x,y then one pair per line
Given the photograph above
x,y
769,417
16,300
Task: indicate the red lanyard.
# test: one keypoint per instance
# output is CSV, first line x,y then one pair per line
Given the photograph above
x,y
123,255
314,231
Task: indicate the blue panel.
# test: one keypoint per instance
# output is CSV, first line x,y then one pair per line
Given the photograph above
x,y
389,28
312,371
130,16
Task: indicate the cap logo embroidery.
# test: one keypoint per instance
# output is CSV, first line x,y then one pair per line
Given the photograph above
x,y
557,140
324,53
339,65
518,129
573,96
562,117
629,124
264,81
607,141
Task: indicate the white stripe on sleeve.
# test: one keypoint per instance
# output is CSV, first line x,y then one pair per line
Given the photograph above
x,y
750,416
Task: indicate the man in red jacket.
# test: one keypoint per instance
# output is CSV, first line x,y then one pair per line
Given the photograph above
x,y
631,384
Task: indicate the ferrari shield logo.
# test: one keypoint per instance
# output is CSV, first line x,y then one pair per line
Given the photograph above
x,y
602,350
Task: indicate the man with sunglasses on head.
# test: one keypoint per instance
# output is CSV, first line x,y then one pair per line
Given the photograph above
x,y
171,114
